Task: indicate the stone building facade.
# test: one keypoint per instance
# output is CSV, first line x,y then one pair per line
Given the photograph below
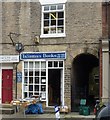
x,y
79,75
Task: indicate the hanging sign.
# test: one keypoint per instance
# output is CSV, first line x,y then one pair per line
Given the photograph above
x,y
43,55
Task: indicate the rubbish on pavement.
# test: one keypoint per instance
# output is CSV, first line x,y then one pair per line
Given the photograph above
x,y
64,109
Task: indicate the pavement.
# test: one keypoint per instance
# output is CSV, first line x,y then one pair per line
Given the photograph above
x,y
47,116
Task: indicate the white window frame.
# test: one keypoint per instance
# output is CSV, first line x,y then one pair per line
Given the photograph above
x,y
42,23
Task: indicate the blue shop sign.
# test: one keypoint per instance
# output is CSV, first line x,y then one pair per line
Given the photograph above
x,y
43,55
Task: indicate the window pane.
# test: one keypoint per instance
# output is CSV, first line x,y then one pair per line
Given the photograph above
x,y
50,64
36,72
25,79
36,64
30,94
30,64
30,73
53,22
25,64
36,80
46,15
46,23
55,63
60,7
43,72
43,80
43,88
60,63
25,88
53,7
53,30
60,22
60,14
46,30
25,72
43,95
46,8
30,80
43,64
25,94
60,29
53,15
30,87
36,87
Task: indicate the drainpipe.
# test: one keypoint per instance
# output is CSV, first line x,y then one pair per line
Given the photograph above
x,y
100,69
16,79
19,48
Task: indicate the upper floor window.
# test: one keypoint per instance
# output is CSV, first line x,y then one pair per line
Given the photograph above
x,y
53,21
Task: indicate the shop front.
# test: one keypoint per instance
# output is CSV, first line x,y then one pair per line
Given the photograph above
x,y
43,75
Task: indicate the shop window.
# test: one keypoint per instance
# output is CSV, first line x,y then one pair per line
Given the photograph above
x,y
53,21
34,79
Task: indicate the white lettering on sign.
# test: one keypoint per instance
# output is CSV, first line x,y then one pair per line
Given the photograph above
x,y
43,55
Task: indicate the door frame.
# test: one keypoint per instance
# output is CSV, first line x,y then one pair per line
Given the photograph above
x,y
61,85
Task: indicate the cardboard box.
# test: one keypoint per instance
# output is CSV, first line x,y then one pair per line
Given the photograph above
x,y
64,109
